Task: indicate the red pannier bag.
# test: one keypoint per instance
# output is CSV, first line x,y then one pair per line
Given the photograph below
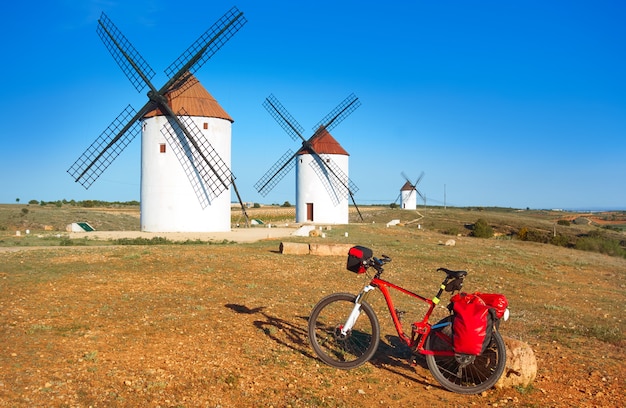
x,y
498,302
472,324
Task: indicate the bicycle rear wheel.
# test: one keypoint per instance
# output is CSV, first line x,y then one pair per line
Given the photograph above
x,y
465,374
343,351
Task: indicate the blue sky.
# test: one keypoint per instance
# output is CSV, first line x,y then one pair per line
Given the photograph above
x,y
501,103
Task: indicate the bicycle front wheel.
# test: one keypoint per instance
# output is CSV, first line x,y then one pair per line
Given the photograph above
x,y
339,350
465,374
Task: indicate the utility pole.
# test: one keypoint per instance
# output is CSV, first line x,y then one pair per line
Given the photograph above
x,y
444,196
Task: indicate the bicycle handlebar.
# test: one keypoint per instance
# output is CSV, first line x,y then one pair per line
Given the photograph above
x,y
377,263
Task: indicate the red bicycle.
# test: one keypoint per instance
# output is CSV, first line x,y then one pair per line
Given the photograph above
x,y
345,333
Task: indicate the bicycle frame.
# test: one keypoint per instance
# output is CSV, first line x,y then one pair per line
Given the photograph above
x,y
419,330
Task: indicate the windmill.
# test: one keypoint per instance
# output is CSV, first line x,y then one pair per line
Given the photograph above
x,y
175,113
322,164
409,192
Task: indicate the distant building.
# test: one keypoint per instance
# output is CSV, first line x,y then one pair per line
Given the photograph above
x,y
408,197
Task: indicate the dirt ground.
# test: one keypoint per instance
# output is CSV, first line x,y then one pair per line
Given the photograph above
x,y
225,326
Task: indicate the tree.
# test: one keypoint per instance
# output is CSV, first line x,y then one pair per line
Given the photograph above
x,y
17,200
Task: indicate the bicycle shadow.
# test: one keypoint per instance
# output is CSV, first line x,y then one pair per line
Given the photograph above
x,y
296,337
392,355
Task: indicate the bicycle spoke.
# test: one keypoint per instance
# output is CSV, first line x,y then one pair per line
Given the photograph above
x,y
347,350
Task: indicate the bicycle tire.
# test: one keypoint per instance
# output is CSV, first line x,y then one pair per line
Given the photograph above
x,y
357,346
472,378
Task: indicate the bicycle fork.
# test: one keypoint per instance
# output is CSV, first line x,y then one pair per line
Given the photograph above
x,y
356,310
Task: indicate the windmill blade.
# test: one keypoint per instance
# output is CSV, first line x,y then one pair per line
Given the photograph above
x,y
419,192
335,187
337,115
419,179
99,156
421,195
132,64
397,198
206,46
335,171
407,179
338,177
207,172
276,173
284,118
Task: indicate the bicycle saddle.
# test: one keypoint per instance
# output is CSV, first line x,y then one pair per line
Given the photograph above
x,y
453,274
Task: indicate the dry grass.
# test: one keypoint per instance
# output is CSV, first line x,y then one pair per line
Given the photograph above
x,y
224,325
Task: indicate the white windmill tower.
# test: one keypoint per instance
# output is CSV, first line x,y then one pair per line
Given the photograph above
x,y
185,183
311,179
322,184
170,202
409,193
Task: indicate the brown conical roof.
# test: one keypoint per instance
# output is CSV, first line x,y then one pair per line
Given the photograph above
x,y
407,187
194,99
323,143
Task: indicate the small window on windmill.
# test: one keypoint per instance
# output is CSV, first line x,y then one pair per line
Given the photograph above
x,y
206,125
162,148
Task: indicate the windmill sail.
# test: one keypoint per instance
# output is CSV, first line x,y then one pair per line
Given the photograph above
x,y
337,115
208,174
283,118
276,173
207,44
125,55
105,149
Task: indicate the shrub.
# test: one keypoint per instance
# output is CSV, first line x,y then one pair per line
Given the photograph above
x,y
451,231
560,240
563,222
142,241
481,229
596,243
537,236
525,234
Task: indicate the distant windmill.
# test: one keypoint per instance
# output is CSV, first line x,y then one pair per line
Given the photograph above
x,y
187,189
409,193
322,183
